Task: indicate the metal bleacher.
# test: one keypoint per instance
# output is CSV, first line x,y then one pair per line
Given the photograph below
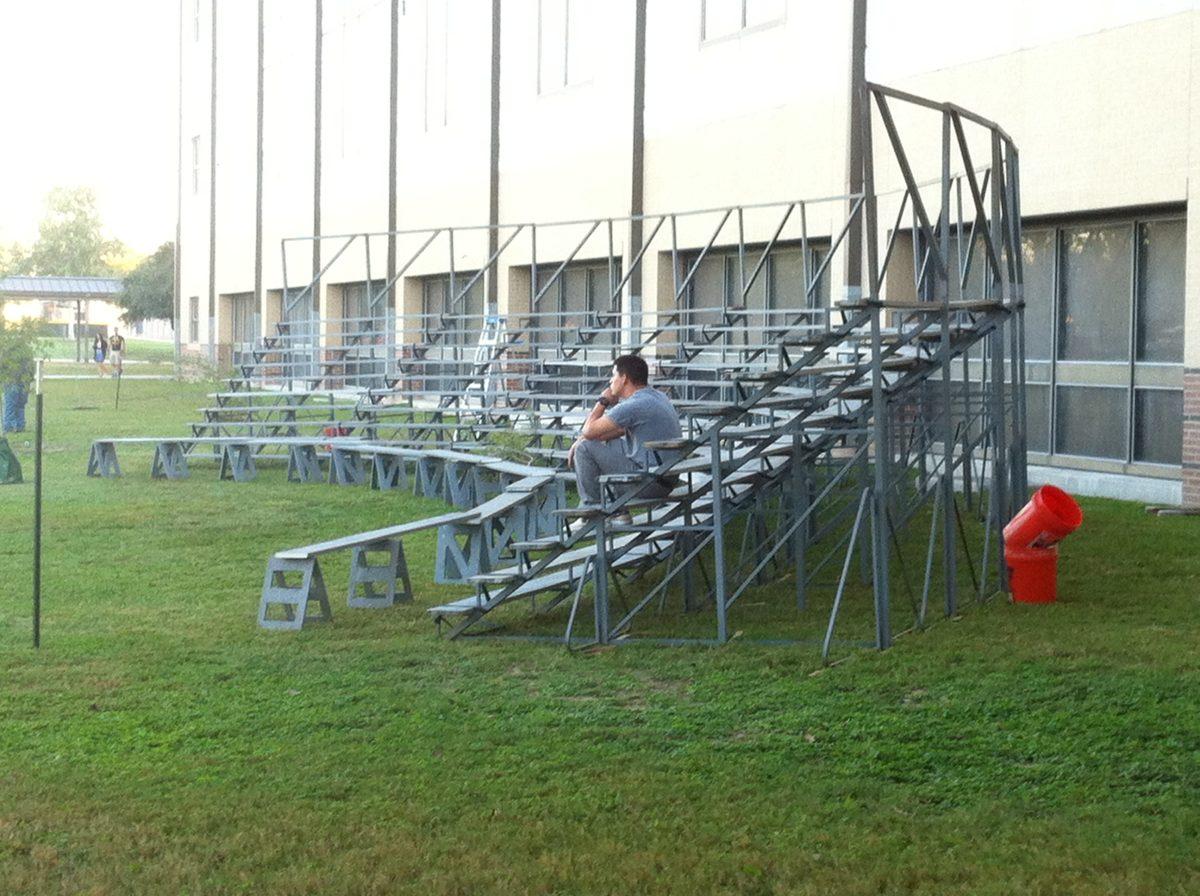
x,y
821,441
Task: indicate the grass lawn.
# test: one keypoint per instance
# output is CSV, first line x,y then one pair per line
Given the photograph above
x,y
159,742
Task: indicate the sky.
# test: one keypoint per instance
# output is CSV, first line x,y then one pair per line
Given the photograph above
x,y
89,88
89,99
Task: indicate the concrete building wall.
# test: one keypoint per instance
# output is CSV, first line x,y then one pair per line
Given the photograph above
x,y
1102,110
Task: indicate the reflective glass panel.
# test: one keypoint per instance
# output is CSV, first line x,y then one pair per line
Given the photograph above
x,y
1094,304
1037,414
1158,426
1160,291
787,279
1037,257
1092,422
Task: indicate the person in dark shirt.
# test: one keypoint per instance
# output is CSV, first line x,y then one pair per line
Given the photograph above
x,y
99,353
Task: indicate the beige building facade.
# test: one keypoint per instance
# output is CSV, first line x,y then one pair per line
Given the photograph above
x,y
330,118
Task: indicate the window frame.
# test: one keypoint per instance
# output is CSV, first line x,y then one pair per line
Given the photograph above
x,y
194,320
743,28
1130,374
542,87
195,164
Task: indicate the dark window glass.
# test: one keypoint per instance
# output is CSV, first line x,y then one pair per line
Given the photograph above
x,y
194,319
1158,426
574,289
823,291
1037,256
1094,307
708,282
1092,422
970,268
738,274
787,279
1160,291
244,317
1037,414
600,289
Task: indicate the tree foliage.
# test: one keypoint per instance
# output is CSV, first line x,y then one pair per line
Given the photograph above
x,y
14,259
71,241
150,288
20,347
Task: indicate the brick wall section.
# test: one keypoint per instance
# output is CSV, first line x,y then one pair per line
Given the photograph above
x,y
1191,438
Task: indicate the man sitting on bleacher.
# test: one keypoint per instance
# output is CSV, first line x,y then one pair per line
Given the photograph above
x,y
627,415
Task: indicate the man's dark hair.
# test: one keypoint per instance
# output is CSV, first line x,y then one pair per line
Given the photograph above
x,y
634,368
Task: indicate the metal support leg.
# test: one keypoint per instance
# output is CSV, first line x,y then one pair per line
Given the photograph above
x,y
170,461
237,462
718,523
102,461
303,465
389,472
600,568
293,599
456,562
346,467
392,575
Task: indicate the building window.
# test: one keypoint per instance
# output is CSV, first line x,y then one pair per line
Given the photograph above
x,y
1160,291
1158,426
194,319
437,53
1094,293
454,305
784,280
1092,422
196,165
1104,306
565,39
725,18
568,301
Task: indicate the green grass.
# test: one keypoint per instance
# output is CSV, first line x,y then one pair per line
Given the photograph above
x,y
159,742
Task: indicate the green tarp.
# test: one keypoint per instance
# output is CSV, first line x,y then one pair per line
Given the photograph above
x,y
10,467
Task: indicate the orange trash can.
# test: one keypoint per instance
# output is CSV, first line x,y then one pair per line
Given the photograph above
x,y
1032,574
1049,517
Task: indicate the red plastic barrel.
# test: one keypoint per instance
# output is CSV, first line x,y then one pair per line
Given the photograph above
x,y
1032,574
1049,517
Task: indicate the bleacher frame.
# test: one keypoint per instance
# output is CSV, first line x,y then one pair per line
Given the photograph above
x,y
812,435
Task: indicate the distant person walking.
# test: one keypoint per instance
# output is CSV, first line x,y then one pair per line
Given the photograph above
x,y
99,352
116,351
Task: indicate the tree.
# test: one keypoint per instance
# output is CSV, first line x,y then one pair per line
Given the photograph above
x,y
71,241
149,291
14,259
20,346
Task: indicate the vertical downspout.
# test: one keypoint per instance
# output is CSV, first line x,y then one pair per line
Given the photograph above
x,y
177,284
393,149
258,171
637,170
493,291
212,200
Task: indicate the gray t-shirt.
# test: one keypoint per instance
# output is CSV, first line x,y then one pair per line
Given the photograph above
x,y
646,416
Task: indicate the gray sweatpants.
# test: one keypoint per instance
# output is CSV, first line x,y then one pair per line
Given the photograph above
x,y
594,459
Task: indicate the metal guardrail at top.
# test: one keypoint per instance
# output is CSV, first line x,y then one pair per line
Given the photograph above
x,y
826,432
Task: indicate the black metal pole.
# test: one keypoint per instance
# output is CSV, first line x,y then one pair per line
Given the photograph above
x,y
37,518
117,405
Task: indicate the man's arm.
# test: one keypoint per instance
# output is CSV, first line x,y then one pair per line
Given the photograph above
x,y
597,427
